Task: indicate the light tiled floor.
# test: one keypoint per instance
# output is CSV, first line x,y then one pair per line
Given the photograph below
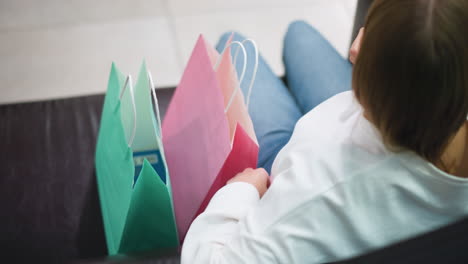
x,y
350,6
75,60
29,14
270,26
54,49
199,7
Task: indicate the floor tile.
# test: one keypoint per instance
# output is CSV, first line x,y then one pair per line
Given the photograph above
x,y
75,60
267,27
198,7
350,7
33,14
55,48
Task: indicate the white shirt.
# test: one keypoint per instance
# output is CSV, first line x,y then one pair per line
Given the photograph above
x,y
337,192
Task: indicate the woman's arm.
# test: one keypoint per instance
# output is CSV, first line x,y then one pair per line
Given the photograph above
x,y
215,233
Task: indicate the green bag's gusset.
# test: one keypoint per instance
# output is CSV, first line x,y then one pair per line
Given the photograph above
x,y
137,210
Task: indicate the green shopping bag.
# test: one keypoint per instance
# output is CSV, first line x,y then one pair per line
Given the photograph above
x,y
133,181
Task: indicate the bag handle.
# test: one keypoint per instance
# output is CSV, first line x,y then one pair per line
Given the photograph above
x,y
254,74
241,46
156,102
244,67
128,82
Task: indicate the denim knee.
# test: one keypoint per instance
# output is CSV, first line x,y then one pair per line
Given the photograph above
x,y
299,28
225,36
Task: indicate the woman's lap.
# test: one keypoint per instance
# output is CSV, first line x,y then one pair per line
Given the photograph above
x,y
315,71
274,108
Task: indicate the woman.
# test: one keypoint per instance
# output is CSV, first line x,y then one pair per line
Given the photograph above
x,y
364,168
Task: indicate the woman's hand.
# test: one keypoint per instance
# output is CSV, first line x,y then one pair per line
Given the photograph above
x,y
258,178
354,51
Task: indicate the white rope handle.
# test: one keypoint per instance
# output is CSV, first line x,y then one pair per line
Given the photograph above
x,y
254,75
231,99
156,103
128,82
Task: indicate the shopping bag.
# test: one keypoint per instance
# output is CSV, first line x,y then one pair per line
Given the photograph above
x,y
200,139
244,152
132,176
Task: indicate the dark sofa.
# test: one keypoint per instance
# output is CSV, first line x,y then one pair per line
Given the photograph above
x,y
49,203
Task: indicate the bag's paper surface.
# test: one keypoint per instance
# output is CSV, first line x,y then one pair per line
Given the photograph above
x,y
198,134
137,217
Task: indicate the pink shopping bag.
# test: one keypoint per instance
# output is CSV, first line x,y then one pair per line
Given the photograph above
x,y
205,146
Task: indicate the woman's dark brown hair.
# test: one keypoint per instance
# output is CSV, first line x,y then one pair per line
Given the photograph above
x,y
411,74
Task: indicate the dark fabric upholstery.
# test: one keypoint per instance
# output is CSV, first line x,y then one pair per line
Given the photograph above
x,y
50,209
170,256
48,195
446,245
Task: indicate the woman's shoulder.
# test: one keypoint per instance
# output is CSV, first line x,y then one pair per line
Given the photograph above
x,y
329,119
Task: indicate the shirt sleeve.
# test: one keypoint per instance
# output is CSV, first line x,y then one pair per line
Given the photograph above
x,y
215,236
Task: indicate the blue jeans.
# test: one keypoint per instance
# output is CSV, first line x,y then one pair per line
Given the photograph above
x,y
314,72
